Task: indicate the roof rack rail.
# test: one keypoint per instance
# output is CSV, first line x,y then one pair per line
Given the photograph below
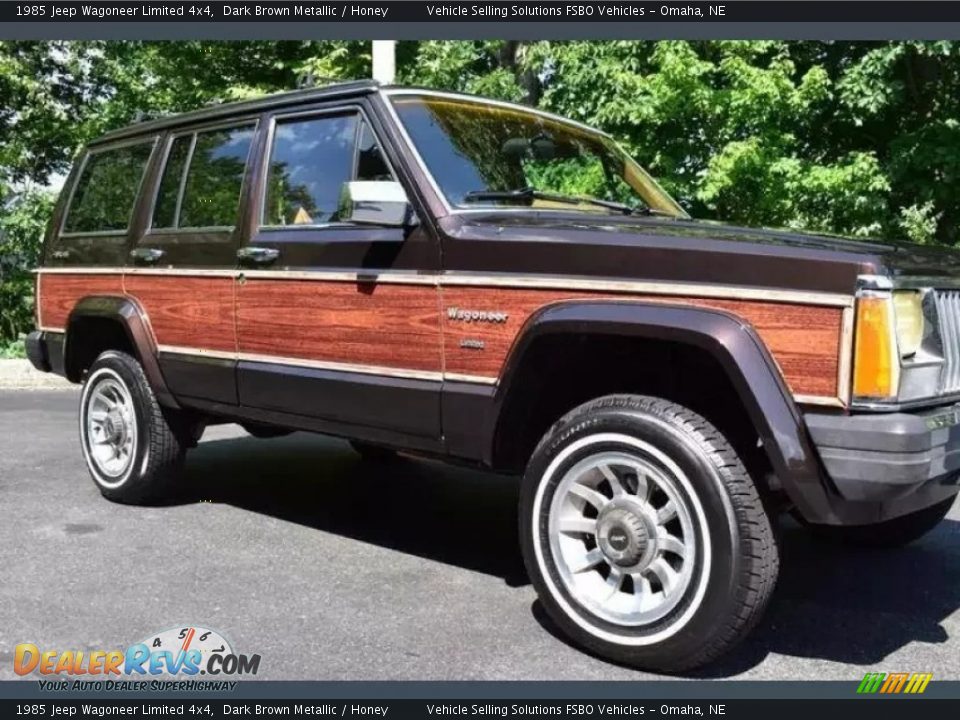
x,y
307,79
157,122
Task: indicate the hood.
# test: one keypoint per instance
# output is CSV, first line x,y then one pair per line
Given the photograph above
x,y
896,257
655,248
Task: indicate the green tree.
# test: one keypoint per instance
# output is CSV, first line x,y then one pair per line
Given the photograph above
x,y
859,138
855,138
22,224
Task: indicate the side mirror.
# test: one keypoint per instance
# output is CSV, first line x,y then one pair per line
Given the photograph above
x,y
375,202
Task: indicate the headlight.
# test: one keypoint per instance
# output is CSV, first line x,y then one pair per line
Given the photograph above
x,y
898,355
908,310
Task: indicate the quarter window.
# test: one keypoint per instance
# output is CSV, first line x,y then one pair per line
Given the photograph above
x,y
107,188
202,179
310,162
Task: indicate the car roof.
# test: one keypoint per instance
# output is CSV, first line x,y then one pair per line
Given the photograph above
x,y
242,107
354,88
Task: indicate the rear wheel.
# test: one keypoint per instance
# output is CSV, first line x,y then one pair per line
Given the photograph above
x,y
893,533
133,447
644,535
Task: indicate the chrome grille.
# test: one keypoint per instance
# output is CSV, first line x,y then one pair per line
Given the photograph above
x,y
948,310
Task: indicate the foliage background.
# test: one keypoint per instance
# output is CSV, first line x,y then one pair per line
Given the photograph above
x,y
856,138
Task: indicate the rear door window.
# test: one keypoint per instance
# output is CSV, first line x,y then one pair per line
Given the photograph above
x,y
107,188
202,179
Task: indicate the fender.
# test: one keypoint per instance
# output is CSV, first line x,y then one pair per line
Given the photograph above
x,y
739,351
128,313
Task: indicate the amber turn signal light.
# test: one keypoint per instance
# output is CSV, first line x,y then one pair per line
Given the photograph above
x,y
876,366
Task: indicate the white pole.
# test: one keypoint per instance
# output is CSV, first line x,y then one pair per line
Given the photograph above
x,y
384,61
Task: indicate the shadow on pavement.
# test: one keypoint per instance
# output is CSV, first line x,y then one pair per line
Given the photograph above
x,y
452,515
854,605
833,603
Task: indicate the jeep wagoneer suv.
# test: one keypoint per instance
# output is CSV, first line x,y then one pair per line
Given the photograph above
x,y
482,282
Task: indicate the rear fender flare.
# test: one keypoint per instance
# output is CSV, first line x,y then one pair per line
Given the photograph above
x,y
131,317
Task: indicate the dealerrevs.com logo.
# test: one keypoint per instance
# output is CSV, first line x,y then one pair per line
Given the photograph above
x,y
183,652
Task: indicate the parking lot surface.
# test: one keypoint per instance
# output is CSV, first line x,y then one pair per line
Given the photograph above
x,y
334,568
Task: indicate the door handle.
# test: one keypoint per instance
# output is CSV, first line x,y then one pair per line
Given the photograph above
x,y
256,255
147,256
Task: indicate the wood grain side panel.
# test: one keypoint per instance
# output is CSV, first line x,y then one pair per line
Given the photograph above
x,y
195,312
804,339
59,293
385,325
406,326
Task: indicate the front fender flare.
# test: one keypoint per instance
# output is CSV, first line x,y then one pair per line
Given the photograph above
x,y
731,342
128,313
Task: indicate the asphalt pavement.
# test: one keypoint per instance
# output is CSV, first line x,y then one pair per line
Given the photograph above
x,y
331,568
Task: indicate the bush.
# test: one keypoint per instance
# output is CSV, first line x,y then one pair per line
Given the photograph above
x,y
16,349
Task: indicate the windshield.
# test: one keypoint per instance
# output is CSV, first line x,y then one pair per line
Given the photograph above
x,y
484,155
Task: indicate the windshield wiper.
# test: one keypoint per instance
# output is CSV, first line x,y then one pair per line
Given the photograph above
x,y
529,193
526,193
647,210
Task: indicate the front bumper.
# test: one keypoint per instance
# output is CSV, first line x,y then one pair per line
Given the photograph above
x,y
904,461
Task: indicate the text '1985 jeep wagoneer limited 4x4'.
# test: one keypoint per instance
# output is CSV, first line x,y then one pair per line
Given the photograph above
x,y
482,282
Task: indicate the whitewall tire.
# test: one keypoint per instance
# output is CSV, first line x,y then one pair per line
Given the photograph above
x,y
131,444
644,535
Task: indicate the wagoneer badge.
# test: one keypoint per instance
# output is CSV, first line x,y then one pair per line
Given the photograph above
x,y
455,313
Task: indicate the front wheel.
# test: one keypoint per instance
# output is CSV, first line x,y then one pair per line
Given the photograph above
x,y
644,535
133,447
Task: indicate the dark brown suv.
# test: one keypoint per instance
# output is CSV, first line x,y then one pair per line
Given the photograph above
x,y
486,283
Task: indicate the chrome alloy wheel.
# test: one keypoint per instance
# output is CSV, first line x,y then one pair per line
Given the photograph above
x,y
110,428
622,537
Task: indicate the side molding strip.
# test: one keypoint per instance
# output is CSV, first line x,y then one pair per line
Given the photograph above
x,y
306,363
560,282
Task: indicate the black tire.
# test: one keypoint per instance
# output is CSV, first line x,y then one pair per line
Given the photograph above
x,y
734,559
157,443
373,453
893,533
265,432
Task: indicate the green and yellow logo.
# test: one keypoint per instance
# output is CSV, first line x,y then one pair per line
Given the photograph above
x,y
894,683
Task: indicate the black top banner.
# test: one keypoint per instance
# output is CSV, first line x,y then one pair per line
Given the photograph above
x,y
405,11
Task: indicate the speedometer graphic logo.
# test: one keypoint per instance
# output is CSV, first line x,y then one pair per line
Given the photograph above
x,y
198,643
